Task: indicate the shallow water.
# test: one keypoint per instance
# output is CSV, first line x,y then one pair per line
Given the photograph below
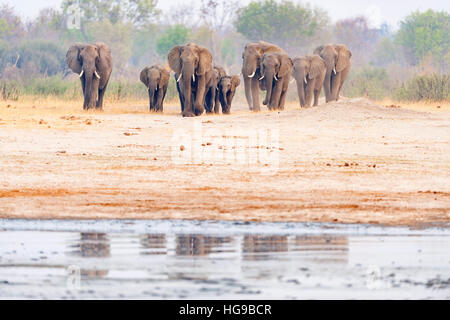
x,y
217,260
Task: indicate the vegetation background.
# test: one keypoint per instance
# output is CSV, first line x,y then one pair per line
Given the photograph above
x,y
408,64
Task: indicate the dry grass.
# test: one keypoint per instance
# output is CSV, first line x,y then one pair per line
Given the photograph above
x,y
418,106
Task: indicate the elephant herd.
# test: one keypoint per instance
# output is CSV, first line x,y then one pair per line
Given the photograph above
x,y
202,85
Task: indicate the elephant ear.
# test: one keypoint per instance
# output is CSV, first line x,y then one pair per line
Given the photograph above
x,y
235,81
317,65
343,60
319,49
104,57
164,79
205,61
285,67
144,76
174,59
73,57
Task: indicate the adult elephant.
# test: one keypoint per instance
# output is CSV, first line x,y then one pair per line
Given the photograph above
x,y
93,64
156,79
212,93
227,88
337,58
276,71
192,65
309,73
251,73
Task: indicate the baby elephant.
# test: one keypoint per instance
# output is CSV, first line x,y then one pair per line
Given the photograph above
x,y
227,87
156,79
309,73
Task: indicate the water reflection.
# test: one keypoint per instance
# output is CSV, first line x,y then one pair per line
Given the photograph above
x,y
256,247
93,245
322,249
199,245
153,244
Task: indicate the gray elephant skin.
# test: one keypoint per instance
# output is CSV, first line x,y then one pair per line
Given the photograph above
x,y
227,89
212,91
156,79
276,69
337,59
192,65
93,64
251,73
309,73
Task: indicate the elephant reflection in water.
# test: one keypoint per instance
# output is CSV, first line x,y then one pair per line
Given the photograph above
x,y
154,244
254,245
324,249
199,245
94,245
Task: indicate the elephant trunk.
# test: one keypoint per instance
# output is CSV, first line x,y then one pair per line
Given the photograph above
x,y
327,84
248,91
187,75
301,91
91,88
151,95
223,99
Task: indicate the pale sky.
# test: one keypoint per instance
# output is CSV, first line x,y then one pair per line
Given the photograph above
x,y
379,11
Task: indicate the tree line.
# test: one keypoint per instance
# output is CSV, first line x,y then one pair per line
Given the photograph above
x,y
139,34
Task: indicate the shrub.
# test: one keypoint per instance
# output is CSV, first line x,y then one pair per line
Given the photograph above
x,y
370,82
433,87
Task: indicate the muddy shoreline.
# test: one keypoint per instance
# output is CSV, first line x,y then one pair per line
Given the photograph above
x,y
350,162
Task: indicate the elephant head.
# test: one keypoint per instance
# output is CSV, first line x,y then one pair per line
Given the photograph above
x,y
156,79
191,64
251,60
305,71
275,67
93,64
337,59
227,88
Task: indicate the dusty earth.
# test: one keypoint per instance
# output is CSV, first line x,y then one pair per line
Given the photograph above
x,y
347,162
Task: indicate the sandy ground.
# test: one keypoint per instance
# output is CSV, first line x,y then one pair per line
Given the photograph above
x,y
352,161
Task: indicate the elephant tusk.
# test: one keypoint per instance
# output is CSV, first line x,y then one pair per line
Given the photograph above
x,y
178,80
252,75
334,70
81,74
306,81
292,80
275,76
261,77
193,77
96,74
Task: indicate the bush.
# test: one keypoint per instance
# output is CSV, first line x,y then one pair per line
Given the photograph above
x,y
432,87
370,82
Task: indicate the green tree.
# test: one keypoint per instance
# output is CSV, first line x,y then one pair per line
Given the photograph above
x,y
286,24
174,35
425,33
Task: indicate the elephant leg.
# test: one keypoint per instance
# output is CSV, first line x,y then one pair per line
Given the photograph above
x,y
209,101
159,99
255,94
335,84
275,97
316,97
309,91
344,74
163,97
216,103
101,94
213,99
282,99
200,96
248,90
